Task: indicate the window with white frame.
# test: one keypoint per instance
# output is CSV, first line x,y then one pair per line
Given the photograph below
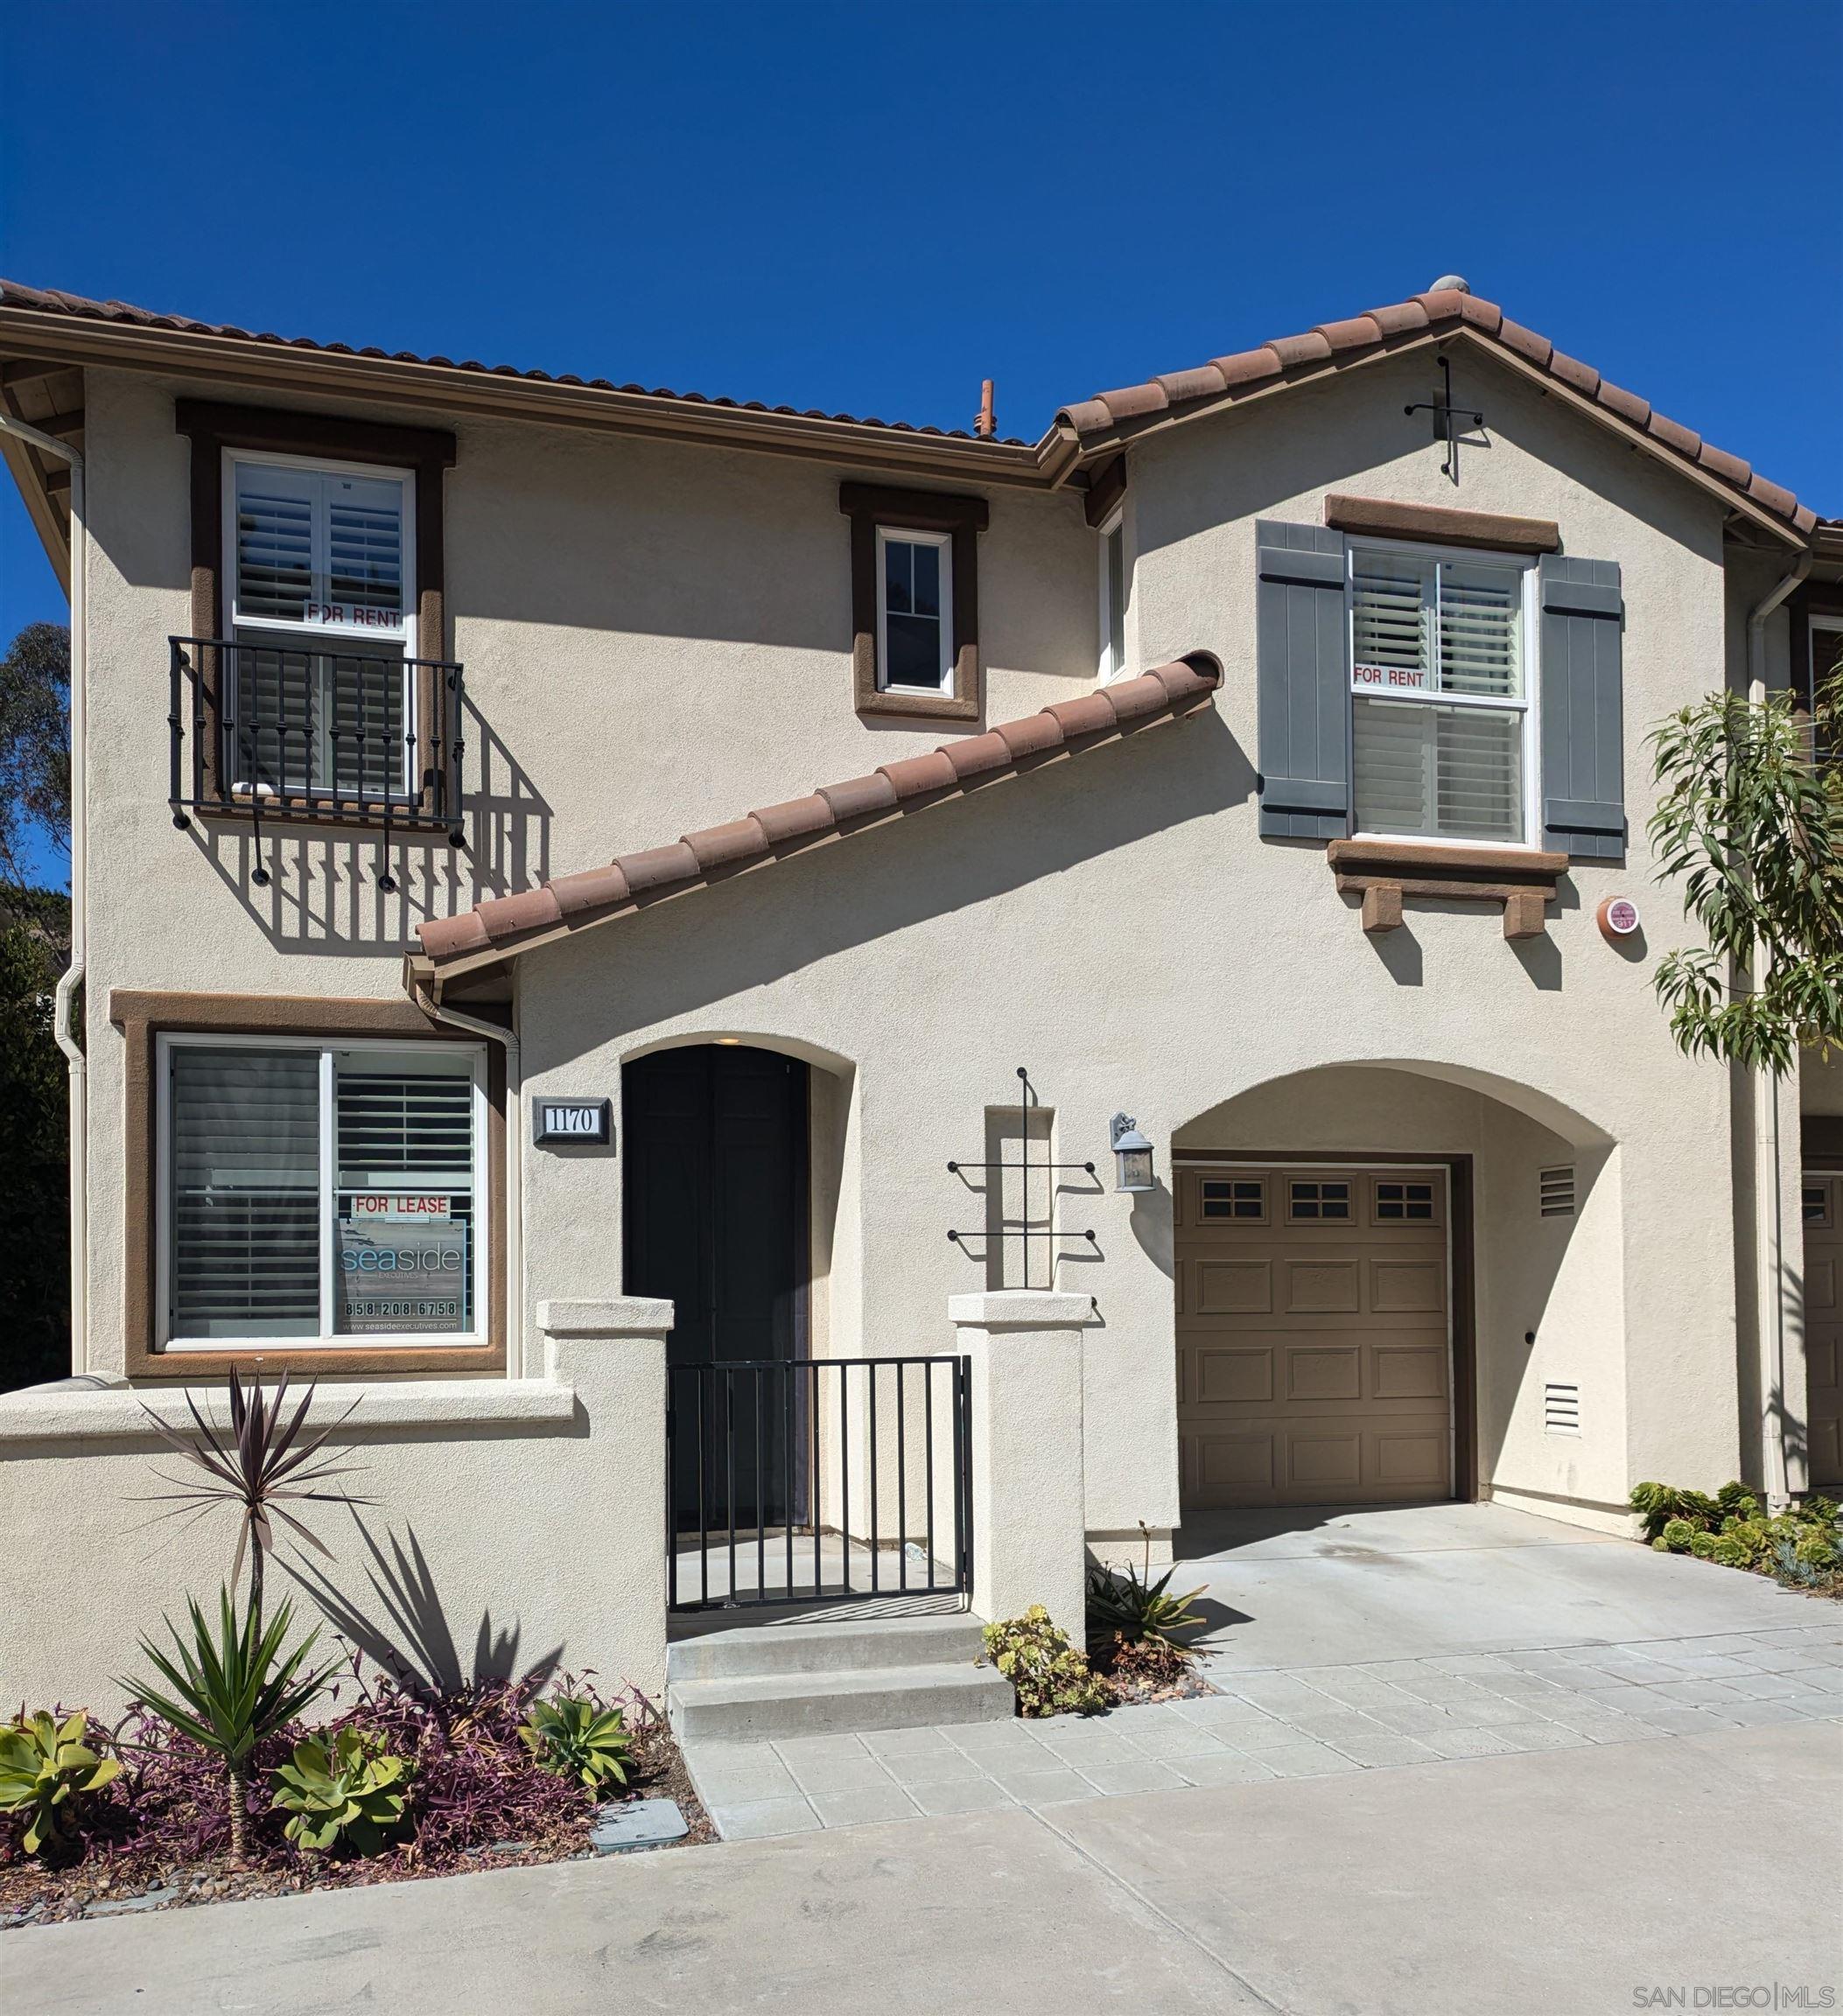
x,y
321,593
1441,741
1113,597
320,1192
915,610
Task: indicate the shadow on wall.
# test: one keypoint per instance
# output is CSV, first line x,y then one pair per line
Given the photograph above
x,y
404,1628
324,892
752,933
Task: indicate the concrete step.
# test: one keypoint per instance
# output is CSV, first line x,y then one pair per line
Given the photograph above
x,y
826,1645
742,1707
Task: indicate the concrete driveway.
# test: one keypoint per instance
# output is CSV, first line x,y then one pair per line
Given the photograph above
x,y
1345,1586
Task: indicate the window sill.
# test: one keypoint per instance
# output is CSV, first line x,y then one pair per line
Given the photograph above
x,y
917,705
1521,879
66,1412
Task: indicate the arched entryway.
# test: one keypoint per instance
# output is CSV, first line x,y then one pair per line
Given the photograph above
x,y
1389,1290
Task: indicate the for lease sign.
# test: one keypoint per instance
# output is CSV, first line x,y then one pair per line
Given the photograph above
x,y
392,1204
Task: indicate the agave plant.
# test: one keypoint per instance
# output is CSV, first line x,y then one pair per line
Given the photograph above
x,y
1140,1613
261,1464
579,1738
231,1689
45,1768
349,1789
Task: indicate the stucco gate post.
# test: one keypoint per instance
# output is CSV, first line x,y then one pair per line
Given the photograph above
x,y
1028,1497
614,1353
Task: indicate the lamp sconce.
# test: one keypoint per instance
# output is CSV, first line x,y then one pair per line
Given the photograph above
x,y
1131,1156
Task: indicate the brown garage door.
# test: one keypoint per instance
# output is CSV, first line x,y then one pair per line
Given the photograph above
x,y
1313,1355
1824,1323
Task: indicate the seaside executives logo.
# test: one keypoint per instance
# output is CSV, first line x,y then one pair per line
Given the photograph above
x,y
1779,1995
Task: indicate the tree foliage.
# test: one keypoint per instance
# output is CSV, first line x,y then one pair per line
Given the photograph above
x,y
1751,823
34,748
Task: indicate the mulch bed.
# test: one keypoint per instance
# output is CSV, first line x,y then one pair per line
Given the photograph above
x,y
1143,1673
108,1883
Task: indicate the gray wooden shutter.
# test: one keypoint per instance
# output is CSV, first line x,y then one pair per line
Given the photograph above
x,y
1302,657
1583,742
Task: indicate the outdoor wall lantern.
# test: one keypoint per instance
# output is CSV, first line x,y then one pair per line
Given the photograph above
x,y
1131,1155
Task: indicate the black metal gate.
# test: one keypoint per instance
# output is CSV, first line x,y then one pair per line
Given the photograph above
x,y
817,1481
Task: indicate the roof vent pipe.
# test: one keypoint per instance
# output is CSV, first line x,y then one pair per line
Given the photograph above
x,y
1456,282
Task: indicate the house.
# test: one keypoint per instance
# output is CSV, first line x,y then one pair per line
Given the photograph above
x,y
787,1001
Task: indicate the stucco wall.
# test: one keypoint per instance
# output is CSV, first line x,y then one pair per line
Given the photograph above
x,y
656,637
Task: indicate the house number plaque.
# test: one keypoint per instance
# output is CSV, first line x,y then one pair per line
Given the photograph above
x,y
585,1122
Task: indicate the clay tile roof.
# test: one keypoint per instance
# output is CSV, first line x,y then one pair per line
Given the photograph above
x,y
1333,345
506,924
46,300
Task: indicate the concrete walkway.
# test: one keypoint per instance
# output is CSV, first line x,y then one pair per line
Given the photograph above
x,y
1557,1883
1309,1722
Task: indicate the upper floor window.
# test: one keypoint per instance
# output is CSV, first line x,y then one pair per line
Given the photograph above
x,y
1113,597
317,560
1440,736
915,610
915,601
324,550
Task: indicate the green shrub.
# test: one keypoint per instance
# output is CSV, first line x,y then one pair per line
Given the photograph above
x,y
577,1738
1140,1615
45,1768
1801,1544
1050,1677
350,1792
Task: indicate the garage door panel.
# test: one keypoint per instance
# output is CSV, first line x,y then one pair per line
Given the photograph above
x,y
1227,1375
1820,1283
1409,1371
1314,1362
1235,1469
1234,1287
1322,1287
1324,1371
1408,1287
1326,1462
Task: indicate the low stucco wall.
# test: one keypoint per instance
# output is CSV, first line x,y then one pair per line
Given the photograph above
x,y
514,1524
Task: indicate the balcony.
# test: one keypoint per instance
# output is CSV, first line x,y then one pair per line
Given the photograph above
x,y
288,734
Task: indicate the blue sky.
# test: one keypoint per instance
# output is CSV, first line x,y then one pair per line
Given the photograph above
x,y
871,207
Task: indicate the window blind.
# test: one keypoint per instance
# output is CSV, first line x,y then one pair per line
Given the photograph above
x,y
245,1178
318,548
1421,629
1454,772
405,1158
318,722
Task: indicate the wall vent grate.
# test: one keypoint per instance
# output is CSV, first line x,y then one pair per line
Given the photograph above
x,y
1561,1408
1556,1189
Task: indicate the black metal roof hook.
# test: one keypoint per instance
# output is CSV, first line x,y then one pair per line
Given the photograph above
x,y
1447,418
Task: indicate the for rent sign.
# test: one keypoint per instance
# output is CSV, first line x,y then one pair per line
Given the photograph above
x,y
1391,679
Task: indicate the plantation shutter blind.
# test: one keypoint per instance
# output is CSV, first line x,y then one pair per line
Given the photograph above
x,y
1583,705
275,543
1303,682
405,1133
245,1180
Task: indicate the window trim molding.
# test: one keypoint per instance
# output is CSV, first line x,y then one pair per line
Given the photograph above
x,y
214,427
1433,524
942,543
142,1016
1814,606
872,508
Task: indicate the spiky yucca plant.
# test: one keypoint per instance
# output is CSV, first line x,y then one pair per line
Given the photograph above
x,y
261,1464
232,1688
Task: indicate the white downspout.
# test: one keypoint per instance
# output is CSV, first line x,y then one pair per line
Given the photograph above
x,y
1769,1150
47,444
428,1000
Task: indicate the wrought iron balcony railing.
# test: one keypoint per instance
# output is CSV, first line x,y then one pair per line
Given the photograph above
x,y
284,733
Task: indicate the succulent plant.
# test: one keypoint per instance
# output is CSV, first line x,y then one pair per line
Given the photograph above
x,y
1050,1677
1139,1613
577,1738
348,1790
45,1768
